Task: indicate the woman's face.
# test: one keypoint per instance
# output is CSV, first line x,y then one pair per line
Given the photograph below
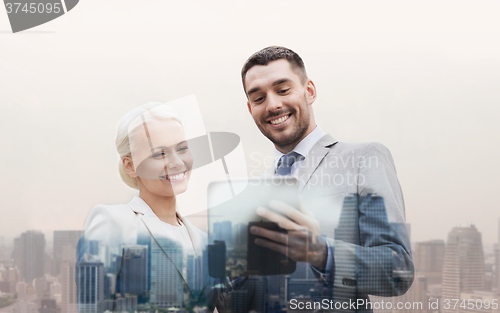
x,y
163,161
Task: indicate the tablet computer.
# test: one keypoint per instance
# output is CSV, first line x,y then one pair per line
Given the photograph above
x,y
232,206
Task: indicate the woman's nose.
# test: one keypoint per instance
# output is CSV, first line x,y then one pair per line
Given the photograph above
x,y
174,161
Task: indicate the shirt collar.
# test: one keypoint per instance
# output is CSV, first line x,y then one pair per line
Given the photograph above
x,y
304,146
140,206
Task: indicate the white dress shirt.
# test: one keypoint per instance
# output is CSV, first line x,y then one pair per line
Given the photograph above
x,y
180,235
303,148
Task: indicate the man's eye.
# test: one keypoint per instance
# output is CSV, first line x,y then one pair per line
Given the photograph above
x,y
258,100
284,90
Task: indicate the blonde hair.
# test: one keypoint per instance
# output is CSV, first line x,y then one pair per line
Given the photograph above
x,y
130,123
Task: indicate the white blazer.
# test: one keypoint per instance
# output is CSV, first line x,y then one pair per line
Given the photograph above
x,y
121,225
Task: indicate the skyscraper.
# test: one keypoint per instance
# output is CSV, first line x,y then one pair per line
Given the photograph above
x,y
428,259
166,284
193,272
463,268
64,238
90,279
68,288
67,257
223,232
498,258
29,255
134,271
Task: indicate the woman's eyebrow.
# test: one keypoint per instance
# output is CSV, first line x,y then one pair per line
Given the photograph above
x,y
165,147
160,147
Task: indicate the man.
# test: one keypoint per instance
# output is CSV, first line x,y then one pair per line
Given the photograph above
x,y
353,221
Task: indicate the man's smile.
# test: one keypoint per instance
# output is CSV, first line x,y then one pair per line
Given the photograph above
x,y
279,121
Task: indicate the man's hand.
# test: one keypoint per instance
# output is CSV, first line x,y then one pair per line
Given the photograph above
x,y
302,243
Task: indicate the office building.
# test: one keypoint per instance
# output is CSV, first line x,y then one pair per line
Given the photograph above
x,y
29,255
62,239
90,294
68,288
134,271
193,272
223,232
428,259
166,283
463,268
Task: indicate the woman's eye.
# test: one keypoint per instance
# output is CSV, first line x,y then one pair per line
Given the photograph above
x,y
183,149
158,155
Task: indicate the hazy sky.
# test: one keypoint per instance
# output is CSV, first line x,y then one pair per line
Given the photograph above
x,y
421,78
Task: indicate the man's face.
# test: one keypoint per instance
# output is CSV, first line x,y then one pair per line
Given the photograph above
x,y
280,103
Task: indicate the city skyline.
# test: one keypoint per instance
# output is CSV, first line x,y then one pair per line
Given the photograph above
x,y
457,266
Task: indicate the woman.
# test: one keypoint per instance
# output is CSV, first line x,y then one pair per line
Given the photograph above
x,y
145,255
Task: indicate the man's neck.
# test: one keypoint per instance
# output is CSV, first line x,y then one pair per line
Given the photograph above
x,y
288,148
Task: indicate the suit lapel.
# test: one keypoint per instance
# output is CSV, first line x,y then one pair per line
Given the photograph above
x,y
314,158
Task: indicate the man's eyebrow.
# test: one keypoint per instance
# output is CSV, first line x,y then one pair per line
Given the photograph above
x,y
281,81
253,90
276,83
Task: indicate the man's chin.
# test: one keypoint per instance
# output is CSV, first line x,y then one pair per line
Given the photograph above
x,y
285,138
282,141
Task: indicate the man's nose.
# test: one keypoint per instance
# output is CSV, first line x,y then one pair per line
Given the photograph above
x,y
273,103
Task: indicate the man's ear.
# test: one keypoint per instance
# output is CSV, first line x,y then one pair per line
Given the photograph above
x,y
129,167
310,92
249,107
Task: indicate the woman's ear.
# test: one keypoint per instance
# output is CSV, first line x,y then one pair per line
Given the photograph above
x,y
129,167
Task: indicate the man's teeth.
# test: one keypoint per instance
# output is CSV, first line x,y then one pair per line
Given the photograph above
x,y
176,176
279,120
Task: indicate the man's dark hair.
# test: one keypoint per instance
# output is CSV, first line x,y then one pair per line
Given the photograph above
x,y
273,53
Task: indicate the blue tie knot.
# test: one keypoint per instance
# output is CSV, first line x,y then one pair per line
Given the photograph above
x,y
286,162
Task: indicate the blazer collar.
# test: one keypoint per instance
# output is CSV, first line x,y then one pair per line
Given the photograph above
x,y
139,206
314,158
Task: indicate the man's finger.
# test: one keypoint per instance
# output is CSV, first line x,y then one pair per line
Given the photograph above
x,y
272,245
282,221
270,234
305,219
288,210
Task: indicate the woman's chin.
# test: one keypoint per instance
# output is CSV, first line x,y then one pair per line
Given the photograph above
x,y
179,188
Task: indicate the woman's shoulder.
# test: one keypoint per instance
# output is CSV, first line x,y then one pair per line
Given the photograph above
x,y
109,212
106,219
109,209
